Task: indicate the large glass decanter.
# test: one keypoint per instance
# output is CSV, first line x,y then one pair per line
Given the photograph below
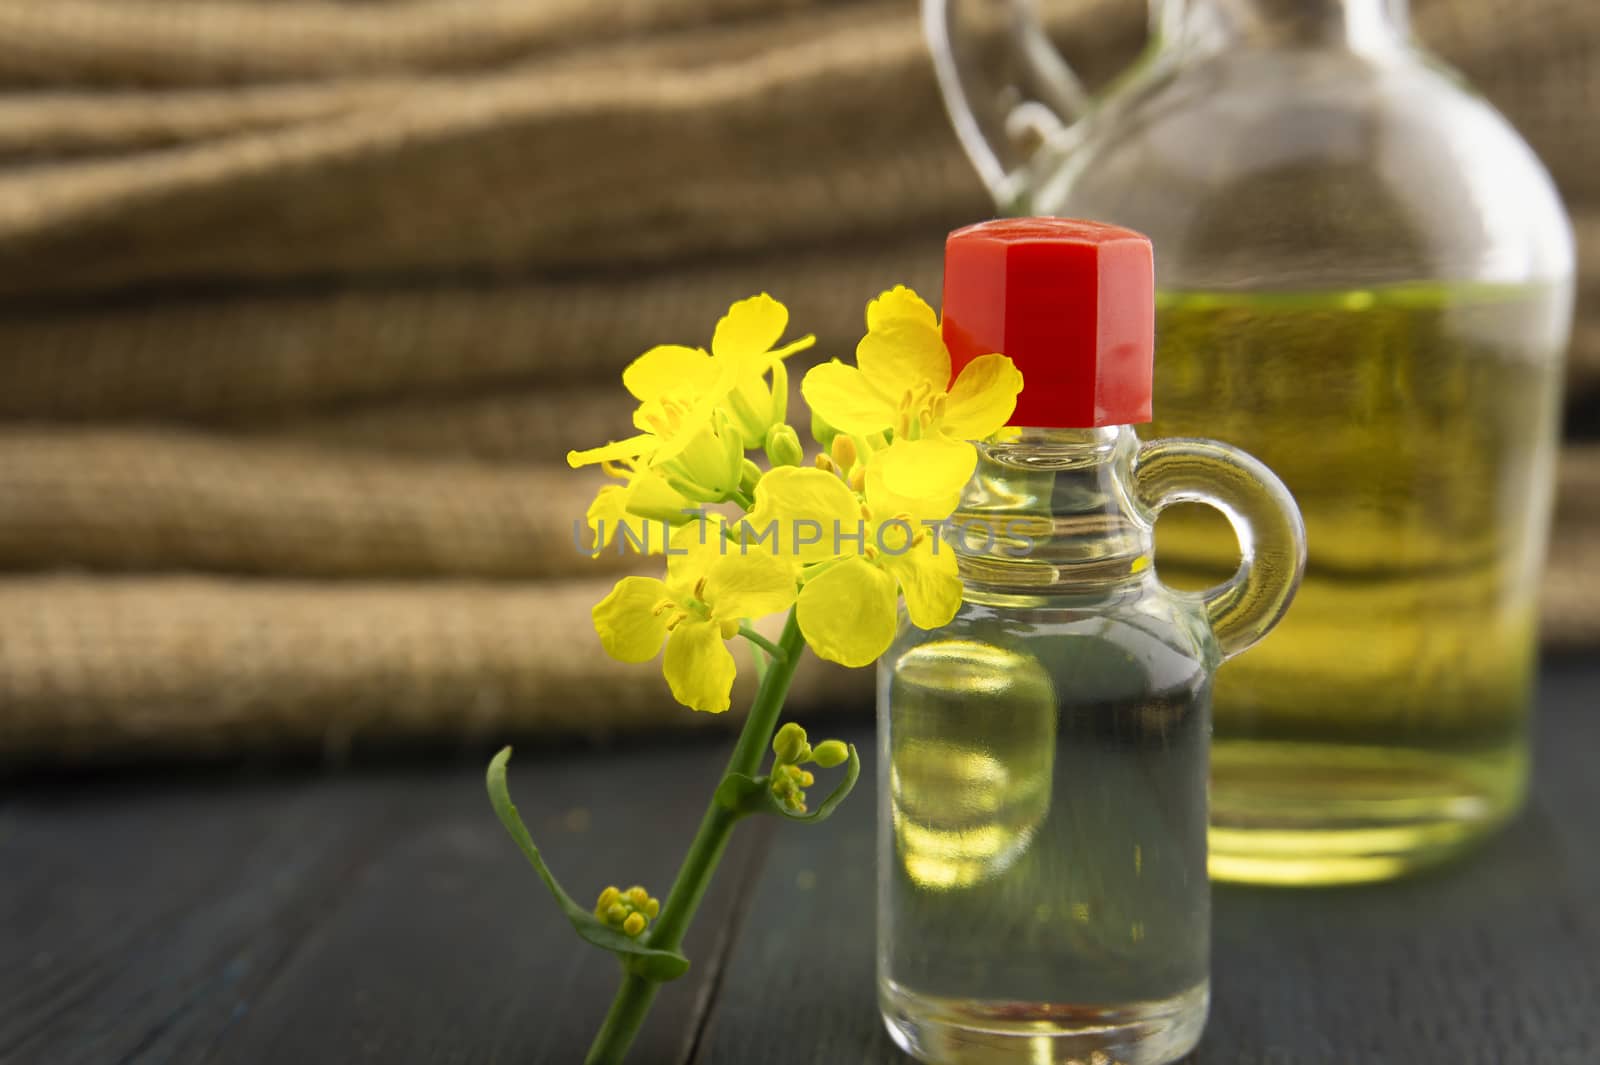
x,y
1364,279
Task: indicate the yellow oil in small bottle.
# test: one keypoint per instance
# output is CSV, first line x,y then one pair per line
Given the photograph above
x,y
1383,724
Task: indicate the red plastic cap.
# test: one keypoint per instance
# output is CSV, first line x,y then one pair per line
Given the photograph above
x,y
1071,302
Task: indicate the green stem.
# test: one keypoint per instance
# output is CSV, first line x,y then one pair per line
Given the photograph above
x,y
633,999
774,652
622,1021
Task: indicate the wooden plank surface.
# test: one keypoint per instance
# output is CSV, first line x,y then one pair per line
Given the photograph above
x,y
359,916
379,915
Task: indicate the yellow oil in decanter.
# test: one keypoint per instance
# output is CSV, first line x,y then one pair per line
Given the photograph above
x,y
1382,725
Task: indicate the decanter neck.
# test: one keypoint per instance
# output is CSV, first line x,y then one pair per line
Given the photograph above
x,y
1052,512
1358,25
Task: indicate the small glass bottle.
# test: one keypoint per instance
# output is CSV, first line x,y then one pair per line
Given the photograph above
x,y
1042,869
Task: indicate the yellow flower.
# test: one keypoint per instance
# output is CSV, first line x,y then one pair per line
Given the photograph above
x,y
711,587
680,389
901,384
860,556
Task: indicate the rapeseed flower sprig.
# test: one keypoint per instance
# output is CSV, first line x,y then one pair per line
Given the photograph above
x,y
854,532
835,543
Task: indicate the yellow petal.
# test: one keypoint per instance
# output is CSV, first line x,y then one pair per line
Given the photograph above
x,y
668,368
982,398
923,476
698,667
927,575
609,509
847,613
840,396
899,302
901,355
919,511
629,628
751,327
696,547
632,448
750,585
799,512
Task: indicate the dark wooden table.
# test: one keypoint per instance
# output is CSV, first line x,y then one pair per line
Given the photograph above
x,y
381,915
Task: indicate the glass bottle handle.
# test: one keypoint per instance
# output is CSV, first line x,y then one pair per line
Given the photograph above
x,y
1272,537
1017,108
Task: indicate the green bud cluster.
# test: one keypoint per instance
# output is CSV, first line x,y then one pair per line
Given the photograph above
x,y
789,783
627,911
791,750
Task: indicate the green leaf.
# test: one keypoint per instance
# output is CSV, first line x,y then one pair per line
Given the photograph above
x,y
652,964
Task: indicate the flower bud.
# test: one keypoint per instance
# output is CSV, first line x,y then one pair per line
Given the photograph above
x,y
790,745
634,924
783,446
830,753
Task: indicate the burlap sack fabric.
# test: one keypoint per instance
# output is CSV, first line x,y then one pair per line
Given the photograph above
x,y
304,300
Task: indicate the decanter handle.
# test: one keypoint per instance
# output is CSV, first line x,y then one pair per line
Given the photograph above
x,y
1272,537
1018,107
